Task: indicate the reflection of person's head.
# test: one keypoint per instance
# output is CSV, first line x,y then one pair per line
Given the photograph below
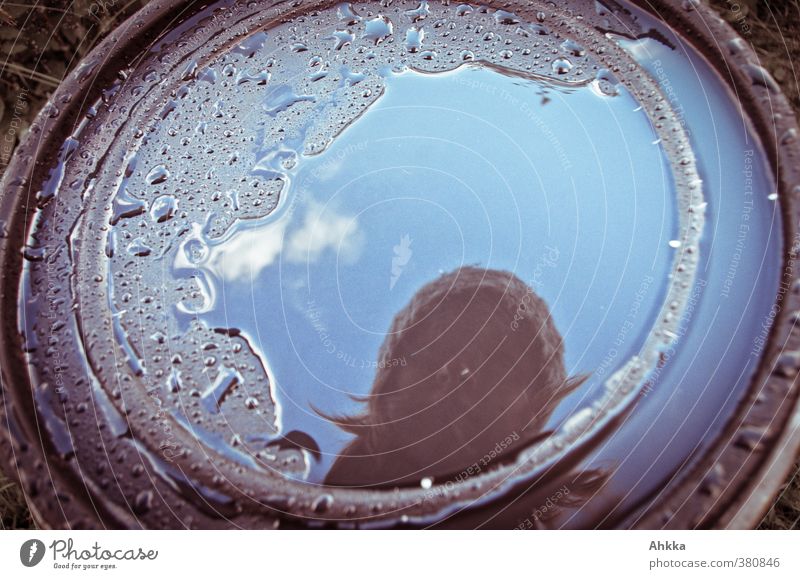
x,y
471,368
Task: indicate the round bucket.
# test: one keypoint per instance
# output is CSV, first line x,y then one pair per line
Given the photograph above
x,y
404,264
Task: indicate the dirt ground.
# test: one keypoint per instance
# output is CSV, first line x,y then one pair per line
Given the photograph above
x,y
41,42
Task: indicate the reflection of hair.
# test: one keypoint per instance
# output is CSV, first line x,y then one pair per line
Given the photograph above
x,y
569,491
482,369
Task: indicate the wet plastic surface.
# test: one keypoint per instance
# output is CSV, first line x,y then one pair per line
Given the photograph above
x,y
220,296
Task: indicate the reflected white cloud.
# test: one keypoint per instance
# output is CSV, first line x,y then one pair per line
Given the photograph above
x,y
248,252
324,229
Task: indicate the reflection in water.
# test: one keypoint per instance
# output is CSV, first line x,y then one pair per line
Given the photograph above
x,y
407,193
547,503
292,259
483,370
566,188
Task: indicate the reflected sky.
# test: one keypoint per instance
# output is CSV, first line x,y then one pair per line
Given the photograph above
x,y
558,185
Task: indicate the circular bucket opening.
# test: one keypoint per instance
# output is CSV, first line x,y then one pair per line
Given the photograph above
x,y
415,264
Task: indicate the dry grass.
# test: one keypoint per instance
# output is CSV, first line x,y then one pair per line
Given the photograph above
x,y
13,510
39,45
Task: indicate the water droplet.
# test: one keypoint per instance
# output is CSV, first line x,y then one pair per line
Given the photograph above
x,y
573,48
689,5
157,174
420,12
143,502
227,380
347,14
788,364
163,208
322,503
790,136
342,38
281,97
174,383
138,248
251,45
464,10
414,38
505,18
750,438
760,77
260,78
561,66
378,29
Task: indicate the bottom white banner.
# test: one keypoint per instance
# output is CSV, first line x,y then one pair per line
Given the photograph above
x,y
120,554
